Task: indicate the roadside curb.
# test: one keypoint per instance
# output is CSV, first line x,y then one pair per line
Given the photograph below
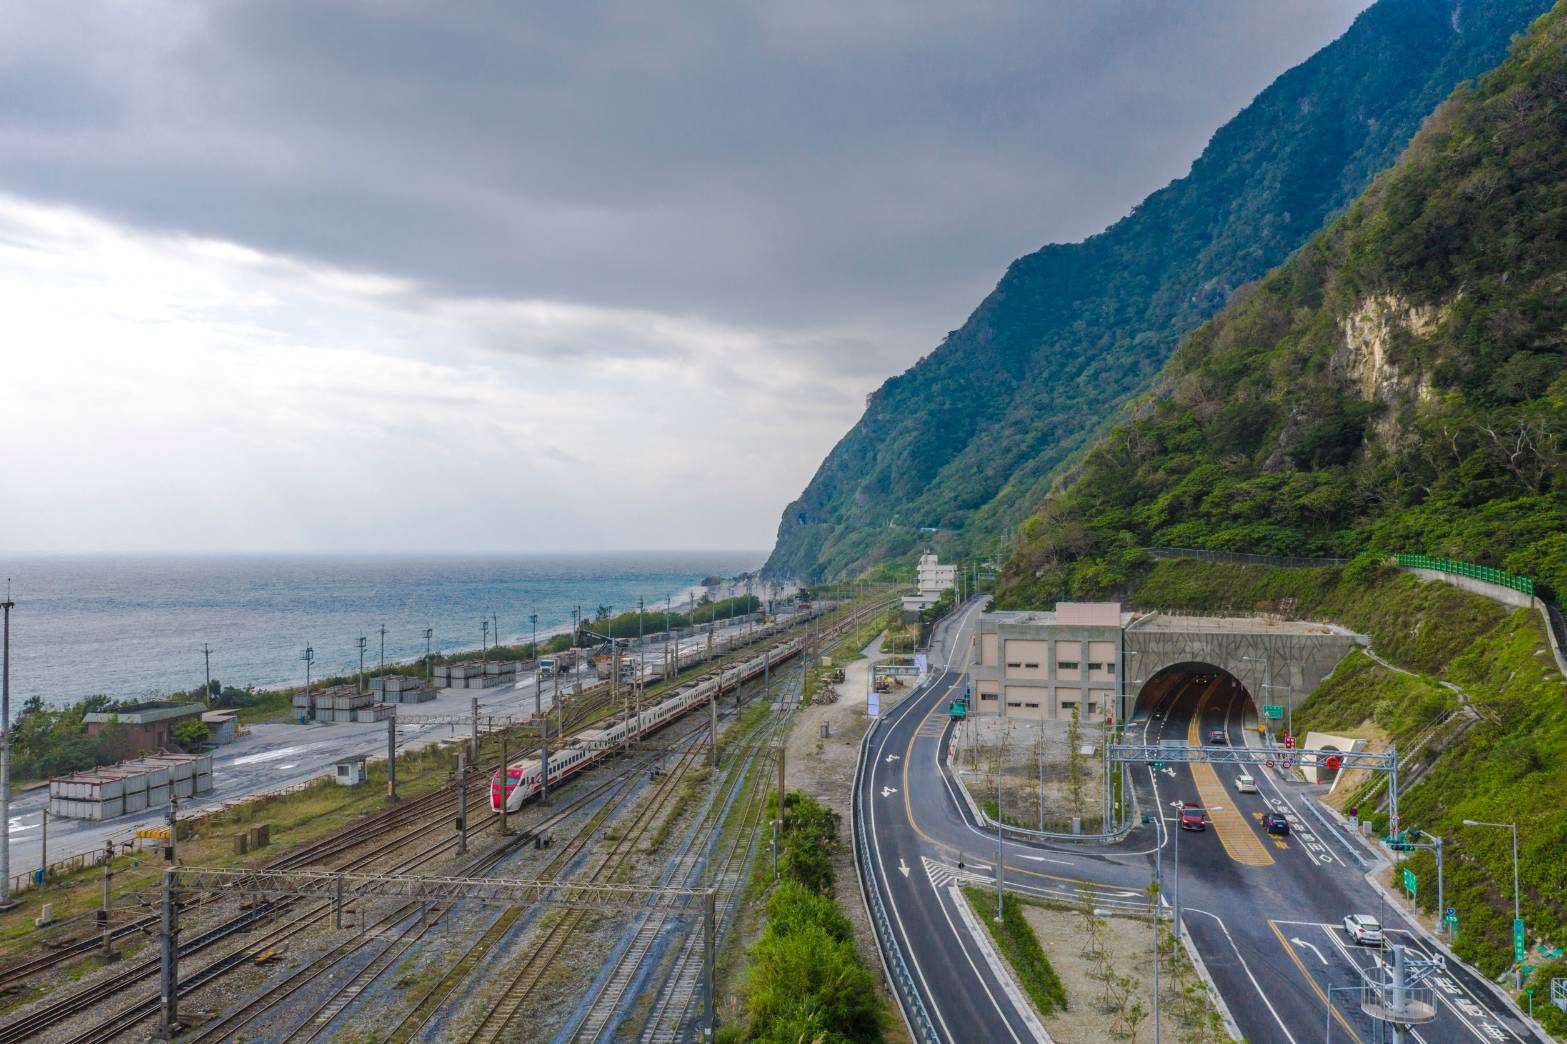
x,y
1230,1025
999,968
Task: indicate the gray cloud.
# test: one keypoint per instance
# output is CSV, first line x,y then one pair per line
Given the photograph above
x,y
801,167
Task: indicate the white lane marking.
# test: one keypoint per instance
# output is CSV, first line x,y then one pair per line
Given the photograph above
x,y
981,938
1302,942
1046,859
1247,969
903,867
892,720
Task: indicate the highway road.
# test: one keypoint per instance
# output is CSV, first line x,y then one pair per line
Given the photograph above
x,y
276,756
1264,913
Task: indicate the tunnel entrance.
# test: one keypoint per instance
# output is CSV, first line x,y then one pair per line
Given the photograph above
x,y
1204,697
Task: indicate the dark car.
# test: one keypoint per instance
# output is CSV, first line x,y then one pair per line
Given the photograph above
x,y
1218,736
1275,823
1192,817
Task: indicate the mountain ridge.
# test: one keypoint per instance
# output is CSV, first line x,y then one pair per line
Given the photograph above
x,y
970,437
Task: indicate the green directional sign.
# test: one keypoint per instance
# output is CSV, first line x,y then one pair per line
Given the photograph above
x,y
1410,880
1272,710
1518,940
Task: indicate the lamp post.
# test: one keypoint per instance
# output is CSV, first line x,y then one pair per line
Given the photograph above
x,y
1267,679
1327,1020
1517,917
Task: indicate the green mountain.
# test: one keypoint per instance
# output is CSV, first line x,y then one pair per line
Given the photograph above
x,y
1398,385
970,437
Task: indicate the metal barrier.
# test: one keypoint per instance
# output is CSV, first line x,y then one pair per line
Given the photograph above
x,y
1500,577
897,970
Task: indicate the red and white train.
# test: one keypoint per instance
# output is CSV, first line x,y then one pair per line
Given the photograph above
x,y
521,781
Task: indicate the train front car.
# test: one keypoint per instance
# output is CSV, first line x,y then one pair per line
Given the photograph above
x,y
510,789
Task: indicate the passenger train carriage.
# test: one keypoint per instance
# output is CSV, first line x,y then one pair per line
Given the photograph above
x,y
521,781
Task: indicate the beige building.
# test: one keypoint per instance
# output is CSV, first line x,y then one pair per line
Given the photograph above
x,y
1047,664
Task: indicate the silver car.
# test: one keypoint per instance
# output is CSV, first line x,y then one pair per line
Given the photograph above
x,y
1363,929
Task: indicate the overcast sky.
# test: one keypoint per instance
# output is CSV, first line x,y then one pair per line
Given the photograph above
x,y
493,276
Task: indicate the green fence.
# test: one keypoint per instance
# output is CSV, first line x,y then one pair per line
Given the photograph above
x,y
1469,569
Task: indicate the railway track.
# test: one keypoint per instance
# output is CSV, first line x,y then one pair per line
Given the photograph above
x,y
415,815
691,867
498,1020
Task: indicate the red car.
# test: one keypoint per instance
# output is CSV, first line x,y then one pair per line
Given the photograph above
x,y
1192,817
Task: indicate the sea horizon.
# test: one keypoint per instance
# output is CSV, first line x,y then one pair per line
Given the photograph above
x,y
131,625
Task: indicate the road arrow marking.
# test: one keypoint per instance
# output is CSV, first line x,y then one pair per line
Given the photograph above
x,y
1169,772
892,757
1313,949
886,791
1045,859
903,868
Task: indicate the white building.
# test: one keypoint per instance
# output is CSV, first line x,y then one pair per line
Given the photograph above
x,y
931,579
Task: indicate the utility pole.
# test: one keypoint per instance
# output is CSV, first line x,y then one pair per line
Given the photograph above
x,y
363,642
6,902
484,639
429,660
533,622
544,745
43,855
505,785
641,665
206,654
309,657
462,803
473,710
576,644
170,855
391,758
103,916
383,648
1001,851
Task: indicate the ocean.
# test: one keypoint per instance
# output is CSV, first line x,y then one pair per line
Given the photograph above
x,y
132,626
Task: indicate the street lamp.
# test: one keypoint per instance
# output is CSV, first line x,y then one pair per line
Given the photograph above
x,y
1267,678
1327,1021
1517,917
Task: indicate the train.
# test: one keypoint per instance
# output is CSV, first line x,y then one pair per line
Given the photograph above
x,y
521,778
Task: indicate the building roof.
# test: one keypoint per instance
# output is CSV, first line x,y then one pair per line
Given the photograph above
x,y
146,713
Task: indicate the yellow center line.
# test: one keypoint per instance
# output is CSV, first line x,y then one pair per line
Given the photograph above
x,y
1235,834
1323,997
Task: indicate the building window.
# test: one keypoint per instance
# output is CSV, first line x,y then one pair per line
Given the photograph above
x,y
1068,704
1031,666
1096,666
1014,664
987,695
1092,707
1067,665
1034,705
1013,703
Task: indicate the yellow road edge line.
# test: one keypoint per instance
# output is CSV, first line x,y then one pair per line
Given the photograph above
x,y
1323,997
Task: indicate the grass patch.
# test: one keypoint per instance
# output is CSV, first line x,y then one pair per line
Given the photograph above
x,y
1020,946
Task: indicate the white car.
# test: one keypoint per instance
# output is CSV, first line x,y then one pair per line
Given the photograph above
x,y
1363,928
1245,785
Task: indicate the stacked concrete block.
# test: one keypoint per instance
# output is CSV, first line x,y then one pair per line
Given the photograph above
x,y
130,787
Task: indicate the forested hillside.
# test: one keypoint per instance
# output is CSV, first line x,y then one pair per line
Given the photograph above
x,y
1399,385
969,438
